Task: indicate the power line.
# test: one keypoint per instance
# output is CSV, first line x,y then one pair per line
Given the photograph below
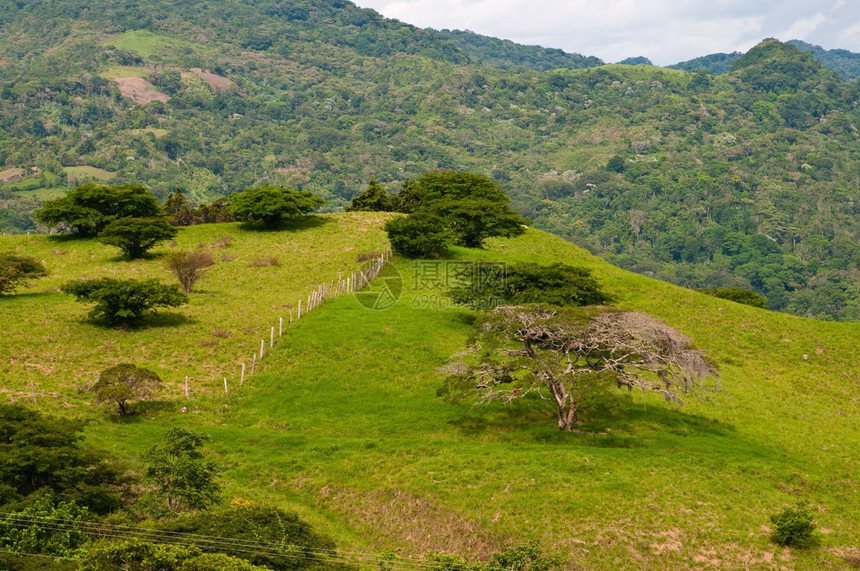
x,y
211,542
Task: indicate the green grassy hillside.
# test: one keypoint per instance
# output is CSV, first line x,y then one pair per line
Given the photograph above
x,y
343,425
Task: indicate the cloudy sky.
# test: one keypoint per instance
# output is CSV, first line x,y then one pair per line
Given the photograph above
x,y
665,31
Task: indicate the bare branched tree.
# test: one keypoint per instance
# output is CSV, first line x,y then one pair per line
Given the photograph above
x,y
188,266
566,355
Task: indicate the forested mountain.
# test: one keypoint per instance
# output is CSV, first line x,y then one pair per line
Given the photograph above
x,y
743,179
844,63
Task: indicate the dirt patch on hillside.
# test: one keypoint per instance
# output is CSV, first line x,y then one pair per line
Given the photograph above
x,y
419,523
139,90
11,175
216,83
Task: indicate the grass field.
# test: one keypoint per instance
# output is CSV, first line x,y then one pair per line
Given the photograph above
x,y
148,44
342,424
78,175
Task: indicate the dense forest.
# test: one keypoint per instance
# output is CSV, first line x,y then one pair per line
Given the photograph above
x,y
743,179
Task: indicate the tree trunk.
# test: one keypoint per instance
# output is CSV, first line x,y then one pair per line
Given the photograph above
x,y
566,406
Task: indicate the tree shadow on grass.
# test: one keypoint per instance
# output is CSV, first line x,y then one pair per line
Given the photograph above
x,y
291,225
157,320
616,424
143,411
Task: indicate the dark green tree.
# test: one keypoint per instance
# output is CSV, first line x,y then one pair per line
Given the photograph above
x,y
123,302
136,236
35,529
183,478
418,235
88,209
272,205
124,382
472,206
137,555
177,211
44,453
17,270
557,284
738,295
373,199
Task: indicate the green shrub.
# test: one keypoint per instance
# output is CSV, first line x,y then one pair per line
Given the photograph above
x,y
272,205
88,209
123,302
738,295
125,382
16,270
418,235
793,528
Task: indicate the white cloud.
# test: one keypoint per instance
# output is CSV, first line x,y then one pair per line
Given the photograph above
x,y
666,31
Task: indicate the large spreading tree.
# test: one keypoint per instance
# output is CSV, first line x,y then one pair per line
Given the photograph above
x,y
272,205
123,302
569,355
136,236
88,209
16,270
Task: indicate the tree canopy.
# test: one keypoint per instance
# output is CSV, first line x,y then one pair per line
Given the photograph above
x,y
272,205
569,355
136,236
17,270
124,301
88,209
183,478
124,382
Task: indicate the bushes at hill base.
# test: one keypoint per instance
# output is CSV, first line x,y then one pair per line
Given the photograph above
x,y
17,270
738,295
146,556
178,212
47,528
272,205
123,302
124,382
247,521
418,235
42,453
136,236
373,199
88,209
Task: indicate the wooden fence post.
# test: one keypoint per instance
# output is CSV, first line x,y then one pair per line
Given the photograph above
x,y
281,327
186,388
242,379
33,388
253,364
272,338
262,344
226,392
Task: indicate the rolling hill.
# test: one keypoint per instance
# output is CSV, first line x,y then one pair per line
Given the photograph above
x,y
745,179
341,422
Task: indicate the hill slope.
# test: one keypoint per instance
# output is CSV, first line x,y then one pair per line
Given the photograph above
x,y
745,179
342,423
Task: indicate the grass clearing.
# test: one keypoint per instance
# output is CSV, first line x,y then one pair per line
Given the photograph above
x,y
343,424
148,44
80,174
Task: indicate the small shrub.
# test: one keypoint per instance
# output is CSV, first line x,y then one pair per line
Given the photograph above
x,y
793,528
369,256
124,382
188,266
228,258
17,270
738,295
222,242
264,262
220,333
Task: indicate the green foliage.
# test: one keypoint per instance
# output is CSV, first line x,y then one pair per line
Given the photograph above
x,y
183,479
124,302
17,270
793,527
88,209
615,164
136,236
373,199
272,205
472,206
35,529
137,555
45,453
525,557
124,382
188,266
418,235
738,295
250,522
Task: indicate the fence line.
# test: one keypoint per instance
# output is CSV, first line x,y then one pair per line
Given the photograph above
x,y
336,288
